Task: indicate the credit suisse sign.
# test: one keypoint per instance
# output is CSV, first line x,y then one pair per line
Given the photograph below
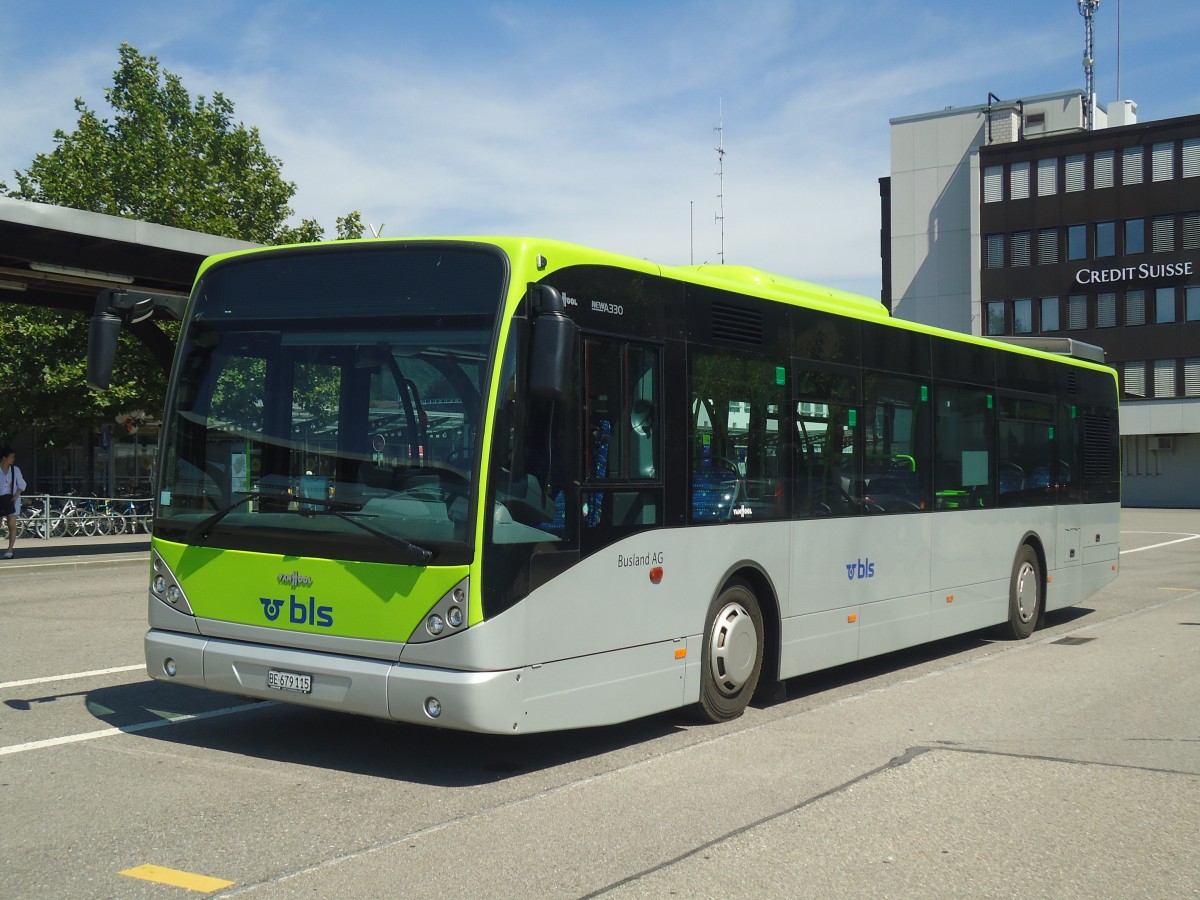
x,y
1142,272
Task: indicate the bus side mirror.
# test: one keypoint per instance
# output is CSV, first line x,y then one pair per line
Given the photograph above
x,y
102,349
552,346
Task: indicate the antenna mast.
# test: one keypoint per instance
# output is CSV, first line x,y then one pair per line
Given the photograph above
x,y
1087,9
720,216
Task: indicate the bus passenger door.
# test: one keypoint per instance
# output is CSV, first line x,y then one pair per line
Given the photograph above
x,y
621,482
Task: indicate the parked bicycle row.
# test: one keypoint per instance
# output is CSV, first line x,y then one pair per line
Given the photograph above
x,y
47,516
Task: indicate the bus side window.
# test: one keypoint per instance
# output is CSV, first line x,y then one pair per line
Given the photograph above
x,y
897,465
739,468
964,476
828,471
1028,472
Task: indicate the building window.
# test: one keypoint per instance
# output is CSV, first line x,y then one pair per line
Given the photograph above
x,y
1106,310
1191,377
1135,308
1164,378
1162,161
1191,231
1106,239
1076,166
1164,305
1047,177
1018,181
1132,165
1135,236
1077,312
1022,317
994,251
1162,234
1019,247
1077,242
1191,158
1049,314
995,317
1047,246
1193,304
1102,169
993,184
1134,380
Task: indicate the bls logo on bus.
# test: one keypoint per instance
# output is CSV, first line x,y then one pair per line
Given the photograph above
x,y
862,568
299,613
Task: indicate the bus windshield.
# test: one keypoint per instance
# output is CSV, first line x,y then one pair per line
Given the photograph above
x,y
328,404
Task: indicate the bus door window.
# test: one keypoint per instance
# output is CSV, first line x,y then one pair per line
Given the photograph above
x,y
964,475
1027,470
739,469
621,474
828,470
897,465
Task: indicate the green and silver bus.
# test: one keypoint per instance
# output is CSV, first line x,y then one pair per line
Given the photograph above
x,y
513,485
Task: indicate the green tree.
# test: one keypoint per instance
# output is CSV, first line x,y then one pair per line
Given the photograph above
x,y
43,370
162,157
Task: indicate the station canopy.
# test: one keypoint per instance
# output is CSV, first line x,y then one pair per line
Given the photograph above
x,y
61,258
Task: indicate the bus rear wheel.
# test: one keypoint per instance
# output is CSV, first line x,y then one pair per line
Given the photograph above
x,y
1024,595
732,653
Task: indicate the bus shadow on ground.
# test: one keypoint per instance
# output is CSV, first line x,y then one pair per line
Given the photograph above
x,y
431,756
858,673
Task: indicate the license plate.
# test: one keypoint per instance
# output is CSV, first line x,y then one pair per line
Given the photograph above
x,y
289,681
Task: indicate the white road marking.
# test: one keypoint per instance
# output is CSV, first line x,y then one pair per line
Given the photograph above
x,y
1187,537
70,676
131,729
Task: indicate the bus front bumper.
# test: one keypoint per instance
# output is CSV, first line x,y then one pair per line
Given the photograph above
x,y
489,702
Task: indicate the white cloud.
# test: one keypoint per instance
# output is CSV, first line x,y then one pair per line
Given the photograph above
x,y
592,124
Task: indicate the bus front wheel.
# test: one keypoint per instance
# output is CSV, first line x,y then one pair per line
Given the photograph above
x,y
732,653
1024,595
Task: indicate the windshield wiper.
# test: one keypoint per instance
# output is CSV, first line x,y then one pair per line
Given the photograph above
x,y
198,532
421,554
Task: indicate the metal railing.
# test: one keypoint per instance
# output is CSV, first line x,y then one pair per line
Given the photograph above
x,y
48,516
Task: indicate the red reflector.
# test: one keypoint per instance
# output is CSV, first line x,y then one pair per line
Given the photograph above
x,y
656,574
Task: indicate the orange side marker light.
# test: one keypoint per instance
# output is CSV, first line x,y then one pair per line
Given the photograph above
x,y
852,618
681,653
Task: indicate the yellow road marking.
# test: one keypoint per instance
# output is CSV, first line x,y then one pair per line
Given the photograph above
x,y
162,875
1161,588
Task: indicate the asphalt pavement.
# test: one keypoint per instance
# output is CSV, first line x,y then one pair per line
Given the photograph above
x,y
63,553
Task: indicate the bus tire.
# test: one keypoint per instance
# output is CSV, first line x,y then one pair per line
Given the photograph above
x,y
732,656
1024,595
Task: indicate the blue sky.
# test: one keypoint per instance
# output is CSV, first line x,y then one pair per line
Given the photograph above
x,y
595,122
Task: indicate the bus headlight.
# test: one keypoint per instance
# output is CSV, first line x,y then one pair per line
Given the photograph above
x,y
174,595
446,618
159,584
433,707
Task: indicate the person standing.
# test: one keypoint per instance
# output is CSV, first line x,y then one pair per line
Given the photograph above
x,y
12,483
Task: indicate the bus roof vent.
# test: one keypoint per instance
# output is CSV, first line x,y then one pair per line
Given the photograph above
x,y
739,326
1060,346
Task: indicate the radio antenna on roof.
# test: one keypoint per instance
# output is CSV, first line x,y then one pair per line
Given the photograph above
x,y
720,173
1087,9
